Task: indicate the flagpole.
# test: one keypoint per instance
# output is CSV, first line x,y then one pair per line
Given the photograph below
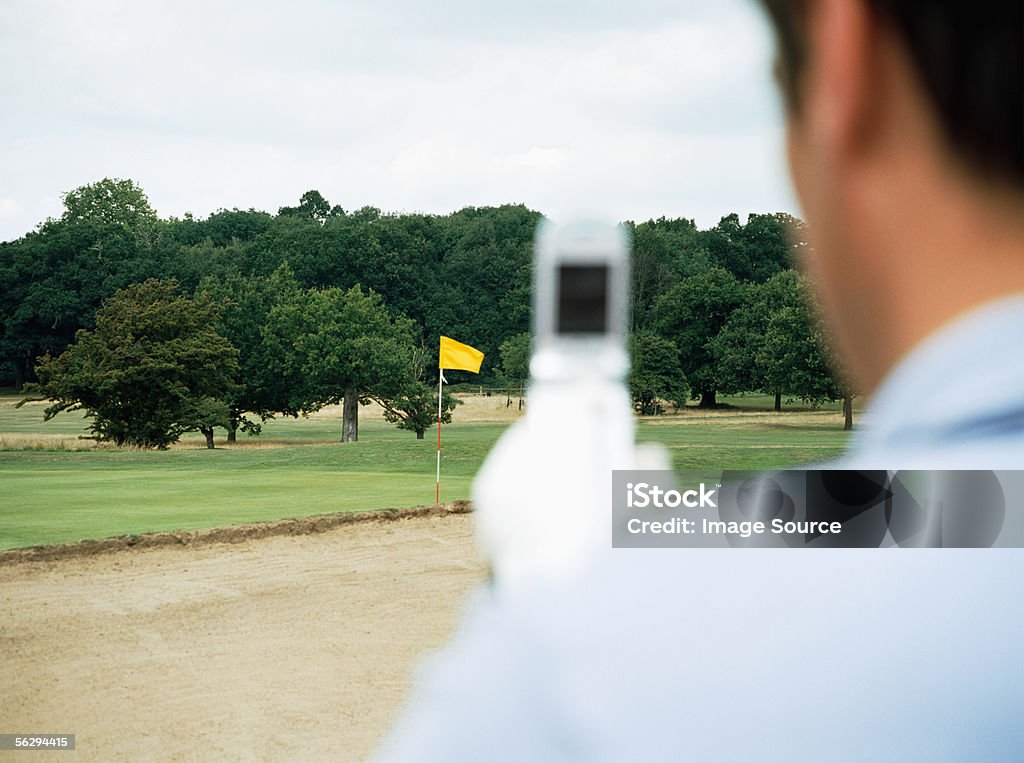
x,y
437,484
455,355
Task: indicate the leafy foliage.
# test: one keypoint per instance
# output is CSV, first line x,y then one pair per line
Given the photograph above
x,y
411,402
53,280
515,358
415,408
773,344
663,252
329,346
655,375
725,297
312,206
690,315
248,302
153,368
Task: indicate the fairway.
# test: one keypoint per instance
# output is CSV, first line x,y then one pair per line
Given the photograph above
x,y
58,488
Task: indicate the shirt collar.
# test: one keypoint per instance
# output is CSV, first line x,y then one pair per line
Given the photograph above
x,y
968,373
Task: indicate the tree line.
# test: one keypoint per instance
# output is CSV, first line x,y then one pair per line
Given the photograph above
x,y
249,314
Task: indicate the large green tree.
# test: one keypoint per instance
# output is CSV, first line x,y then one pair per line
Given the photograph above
x,y
485,284
330,345
664,251
153,368
248,302
54,279
772,343
756,250
312,206
690,315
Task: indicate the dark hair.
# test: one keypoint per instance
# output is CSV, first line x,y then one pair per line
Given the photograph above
x,y
969,56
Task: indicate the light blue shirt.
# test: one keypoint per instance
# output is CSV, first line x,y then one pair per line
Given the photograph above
x,y
955,402
817,655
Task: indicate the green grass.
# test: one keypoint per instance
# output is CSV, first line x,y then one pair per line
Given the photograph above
x,y
50,493
752,444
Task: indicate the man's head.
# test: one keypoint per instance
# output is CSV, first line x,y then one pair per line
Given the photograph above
x,y
905,132
967,57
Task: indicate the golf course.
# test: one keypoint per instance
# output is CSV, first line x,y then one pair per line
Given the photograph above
x,y
59,488
292,629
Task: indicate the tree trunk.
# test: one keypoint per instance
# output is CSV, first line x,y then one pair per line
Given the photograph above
x,y
778,401
419,434
707,399
208,432
233,428
24,372
847,411
350,415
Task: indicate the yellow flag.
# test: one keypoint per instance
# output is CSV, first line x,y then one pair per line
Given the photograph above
x,y
459,356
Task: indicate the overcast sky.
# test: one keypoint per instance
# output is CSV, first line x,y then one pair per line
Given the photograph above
x,y
632,110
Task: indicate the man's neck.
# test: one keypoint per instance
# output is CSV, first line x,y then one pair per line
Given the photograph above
x,y
951,243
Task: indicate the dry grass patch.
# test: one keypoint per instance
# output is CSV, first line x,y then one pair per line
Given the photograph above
x,y
737,419
56,442
474,408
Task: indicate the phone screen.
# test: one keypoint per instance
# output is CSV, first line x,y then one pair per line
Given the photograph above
x,y
582,299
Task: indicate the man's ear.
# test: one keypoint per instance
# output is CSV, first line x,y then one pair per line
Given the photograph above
x,y
840,78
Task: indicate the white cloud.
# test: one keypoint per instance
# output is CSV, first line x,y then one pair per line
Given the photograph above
x,y
11,208
644,109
